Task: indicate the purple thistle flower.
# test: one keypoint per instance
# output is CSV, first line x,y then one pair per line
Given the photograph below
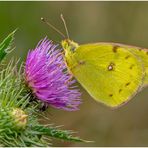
x,y
46,76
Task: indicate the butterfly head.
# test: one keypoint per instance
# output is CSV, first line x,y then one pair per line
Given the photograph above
x,y
69,46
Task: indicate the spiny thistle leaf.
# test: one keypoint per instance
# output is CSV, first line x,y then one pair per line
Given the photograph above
x,y
11,94
57,133
5,45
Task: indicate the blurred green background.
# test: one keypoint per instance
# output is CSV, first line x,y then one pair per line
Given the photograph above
x,y
123,22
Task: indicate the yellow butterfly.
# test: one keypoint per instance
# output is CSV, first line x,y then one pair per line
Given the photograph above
x,y
111,73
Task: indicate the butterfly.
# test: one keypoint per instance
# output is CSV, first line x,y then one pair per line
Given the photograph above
x,y
112,73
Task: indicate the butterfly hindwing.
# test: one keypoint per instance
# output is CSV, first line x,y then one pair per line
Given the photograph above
x,y
110,73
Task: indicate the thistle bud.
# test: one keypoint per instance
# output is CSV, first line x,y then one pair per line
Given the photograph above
x,y
20,118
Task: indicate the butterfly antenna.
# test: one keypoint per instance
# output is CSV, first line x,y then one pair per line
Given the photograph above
x,y
54,28
65,26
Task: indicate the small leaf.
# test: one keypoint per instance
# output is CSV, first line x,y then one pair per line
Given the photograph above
x,y
5,45
57,133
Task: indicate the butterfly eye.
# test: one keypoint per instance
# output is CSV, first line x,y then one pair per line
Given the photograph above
x,y
72,45
72,48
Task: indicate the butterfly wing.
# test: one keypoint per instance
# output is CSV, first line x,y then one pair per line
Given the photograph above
x,y
110,73
143,54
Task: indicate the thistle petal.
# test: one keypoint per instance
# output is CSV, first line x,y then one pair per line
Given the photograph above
x,y
46,77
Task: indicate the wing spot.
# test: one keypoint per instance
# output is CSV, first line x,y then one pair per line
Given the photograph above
x,y
140,49
128,56
110,95
115,48
131,67
120,90
111,66
127,84
147,52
